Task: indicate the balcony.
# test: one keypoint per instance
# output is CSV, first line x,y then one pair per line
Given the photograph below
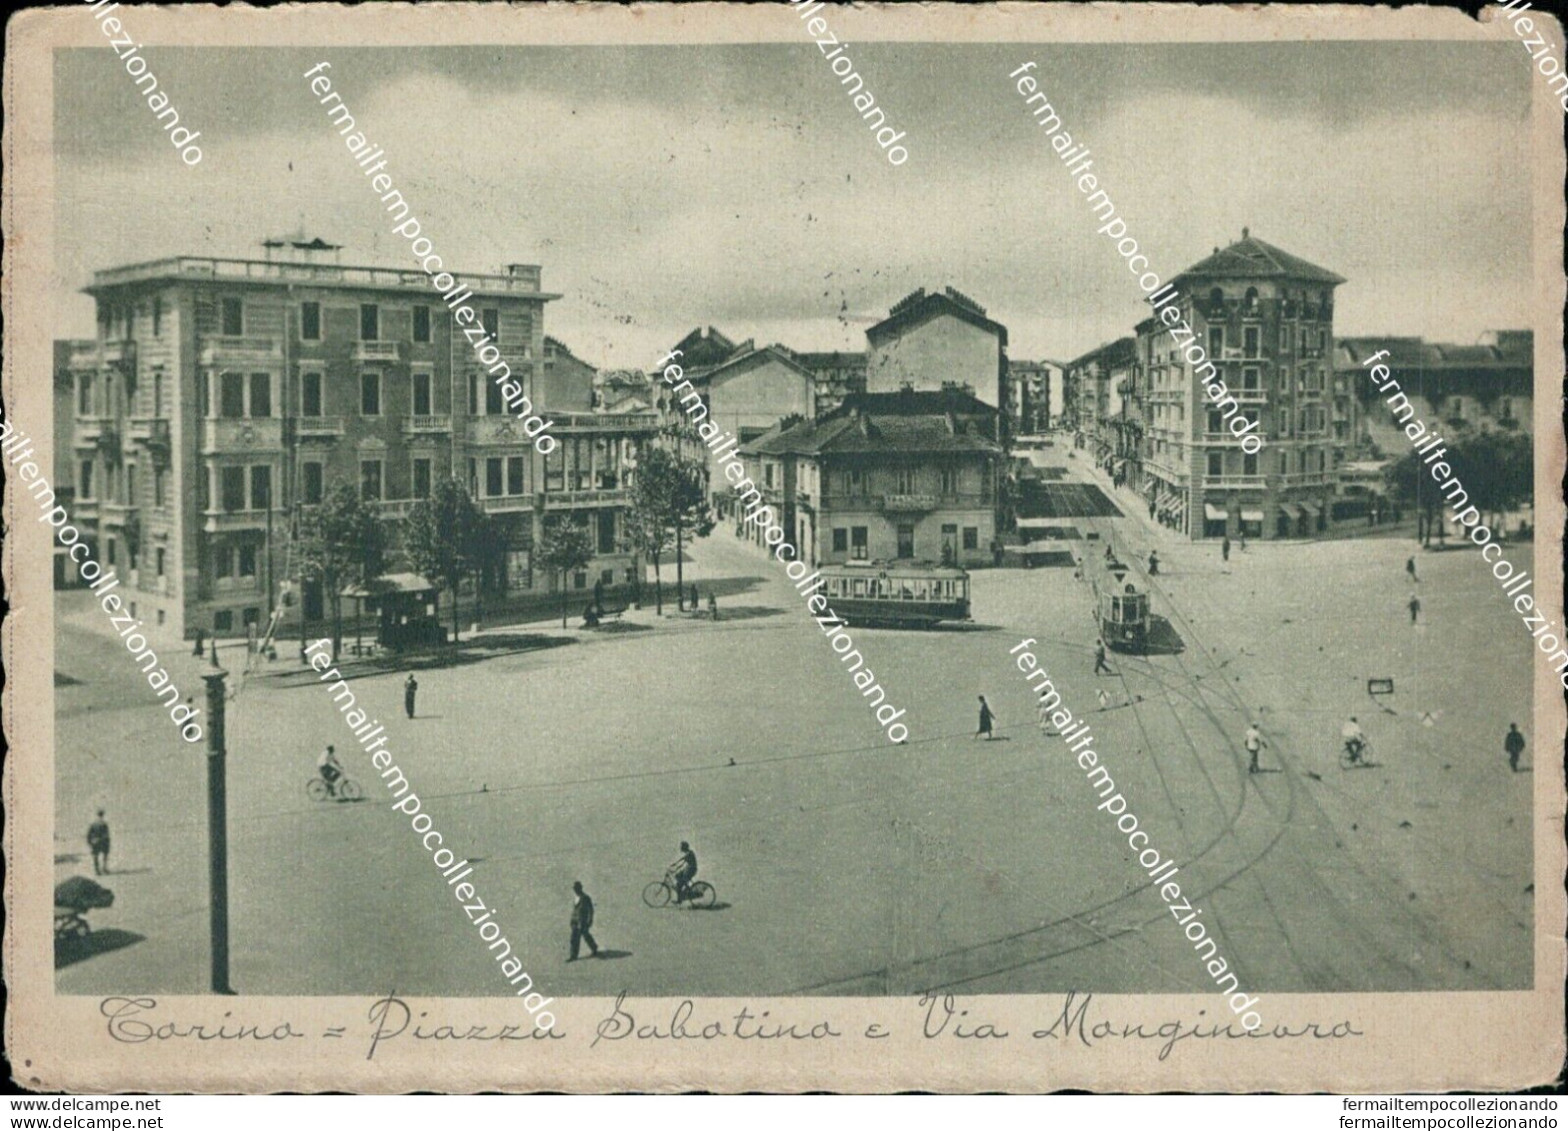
x,y
151,431
121,354
506,504
571,500
90,431
116,514
220,350
226,522
376,351
601,421
318,427
1300,478
497,431
85,510
520,279
426,425
252,434
1250,396
394,508
1235,481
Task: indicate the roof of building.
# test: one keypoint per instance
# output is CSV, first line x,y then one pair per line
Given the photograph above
x,y
1251,258
748,357
919,307
1122,351
829,360
890,423
704,346
1514,350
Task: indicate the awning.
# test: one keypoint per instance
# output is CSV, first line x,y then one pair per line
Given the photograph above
x,y
1166,499
1042,523
1251,515
391,583
1213,513
1291,511
1313,509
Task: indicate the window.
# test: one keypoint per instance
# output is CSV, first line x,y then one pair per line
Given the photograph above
x,y
233,489
1284,338
159,481
223,561
607,539
159,560
370,394
1284,462
491,317
260,487
906,542
421,323
971,537
767,474
493,403
473,394
310,321
369,322
493,477
555,470
260,394
231,395
311,482
233,317
84,395
1215,421
1216,341
1249,463
906,482
112,543
421,390
1249,341
310,394
157,317
248,561
1216,463
858,542
950,481
370,480
1249,378
130,484
514,477
840,540
223,620
421,478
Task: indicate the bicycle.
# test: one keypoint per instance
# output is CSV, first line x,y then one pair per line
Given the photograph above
x,y
699,893
1357,758
347,789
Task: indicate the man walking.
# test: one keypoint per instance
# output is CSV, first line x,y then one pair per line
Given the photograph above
x,y
1225,548
1513,744
986,719
410,687
1254,743
98,842
582,922
1415,608
1099,659
1410,568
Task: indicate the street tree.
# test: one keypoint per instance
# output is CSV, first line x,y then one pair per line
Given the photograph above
x,y
669,498
342,543
442,538
565,547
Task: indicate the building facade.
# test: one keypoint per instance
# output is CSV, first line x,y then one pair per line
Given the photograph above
x,y
222,396
1469,388
1266,319
931,341
885,477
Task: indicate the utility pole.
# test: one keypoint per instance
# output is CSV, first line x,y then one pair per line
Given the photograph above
x,y
217,825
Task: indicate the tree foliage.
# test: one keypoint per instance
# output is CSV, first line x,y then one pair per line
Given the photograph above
x,y
343,542
669,499
565,546
1496,469
445,538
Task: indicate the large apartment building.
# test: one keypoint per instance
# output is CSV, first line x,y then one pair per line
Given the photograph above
x,y
1266,319
222,395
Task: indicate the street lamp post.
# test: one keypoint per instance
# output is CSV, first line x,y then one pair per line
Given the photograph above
x,y
217,827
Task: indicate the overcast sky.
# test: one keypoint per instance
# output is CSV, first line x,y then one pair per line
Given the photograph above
x,y
663,188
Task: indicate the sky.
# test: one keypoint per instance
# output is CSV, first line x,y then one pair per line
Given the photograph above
x,y
662,188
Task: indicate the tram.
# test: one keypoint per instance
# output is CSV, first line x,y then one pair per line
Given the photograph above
x,y
898,593
1120,608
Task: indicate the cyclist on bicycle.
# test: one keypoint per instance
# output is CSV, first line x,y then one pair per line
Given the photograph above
x,y
1355,739
682,871
330,769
